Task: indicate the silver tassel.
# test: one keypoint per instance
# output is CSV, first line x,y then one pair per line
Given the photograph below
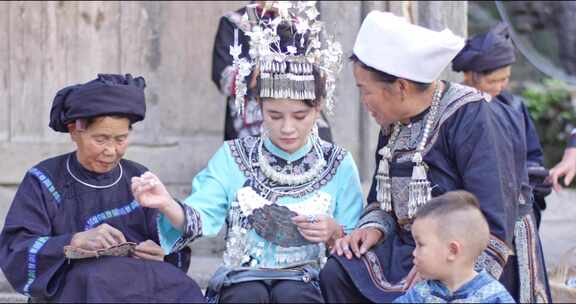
x,y
419,188
383,182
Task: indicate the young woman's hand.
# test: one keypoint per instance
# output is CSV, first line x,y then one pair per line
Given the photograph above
x,y
317,229
150,192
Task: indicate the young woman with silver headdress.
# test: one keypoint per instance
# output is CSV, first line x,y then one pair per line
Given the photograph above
x,y
248,122
285,196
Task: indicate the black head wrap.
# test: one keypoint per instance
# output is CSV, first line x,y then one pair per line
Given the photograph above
x,y
485,52
109,94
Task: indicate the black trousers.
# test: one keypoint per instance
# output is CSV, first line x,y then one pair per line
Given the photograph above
x,y
337,286
275,291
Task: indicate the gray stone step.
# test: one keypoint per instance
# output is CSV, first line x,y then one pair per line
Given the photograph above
x,y
5,287
202,268
12,298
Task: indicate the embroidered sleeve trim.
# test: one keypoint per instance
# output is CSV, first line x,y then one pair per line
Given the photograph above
x,y
97,219
192,228
47,183
532,288
33,263
494,258
375,270
375,217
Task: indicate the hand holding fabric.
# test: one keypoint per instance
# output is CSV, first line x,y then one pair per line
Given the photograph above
x,y
101,237
566,168
357,242
317,229
149,250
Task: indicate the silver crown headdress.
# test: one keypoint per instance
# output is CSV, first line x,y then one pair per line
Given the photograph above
x,y
287,74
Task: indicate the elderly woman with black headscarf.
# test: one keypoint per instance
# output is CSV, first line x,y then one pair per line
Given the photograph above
x,y
486,61
79,205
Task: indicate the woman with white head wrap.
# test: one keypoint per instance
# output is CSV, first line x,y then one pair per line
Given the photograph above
x,y
436,137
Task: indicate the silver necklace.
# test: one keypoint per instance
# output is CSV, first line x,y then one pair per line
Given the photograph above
x,y
291,179
292,192
90,185
419,187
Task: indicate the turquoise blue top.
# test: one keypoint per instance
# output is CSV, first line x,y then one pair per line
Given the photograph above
x,y
229,180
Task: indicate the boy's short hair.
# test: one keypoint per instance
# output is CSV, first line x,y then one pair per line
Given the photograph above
x,y
460,218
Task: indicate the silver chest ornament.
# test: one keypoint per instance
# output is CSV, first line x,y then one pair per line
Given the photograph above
x,y
419,187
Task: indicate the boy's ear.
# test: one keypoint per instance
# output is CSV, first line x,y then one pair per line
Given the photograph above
x,y
454,250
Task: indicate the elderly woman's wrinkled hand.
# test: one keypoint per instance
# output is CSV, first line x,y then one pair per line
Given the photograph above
x,y
149,250
101,237
149,191
357,243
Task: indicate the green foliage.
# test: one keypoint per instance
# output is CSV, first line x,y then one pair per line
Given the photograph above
x,y
554,116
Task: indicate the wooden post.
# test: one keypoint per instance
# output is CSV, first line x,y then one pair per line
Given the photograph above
x,y
438,15
343,20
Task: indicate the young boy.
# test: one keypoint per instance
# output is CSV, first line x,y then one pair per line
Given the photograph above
x,y
450,232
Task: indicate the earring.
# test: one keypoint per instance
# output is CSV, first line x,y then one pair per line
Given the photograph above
x,y
264,132
314,135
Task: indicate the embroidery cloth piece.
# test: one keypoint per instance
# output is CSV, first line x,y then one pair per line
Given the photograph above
x,y
274,223
124,249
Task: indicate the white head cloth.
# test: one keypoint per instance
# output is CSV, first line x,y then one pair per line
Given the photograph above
x,y
394,46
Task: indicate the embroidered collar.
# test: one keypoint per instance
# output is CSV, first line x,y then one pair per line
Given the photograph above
x,y
289,157
466,290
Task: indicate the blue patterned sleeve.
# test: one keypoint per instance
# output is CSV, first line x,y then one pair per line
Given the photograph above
x,y
504,297
206,208
349,197
31,256
413,295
